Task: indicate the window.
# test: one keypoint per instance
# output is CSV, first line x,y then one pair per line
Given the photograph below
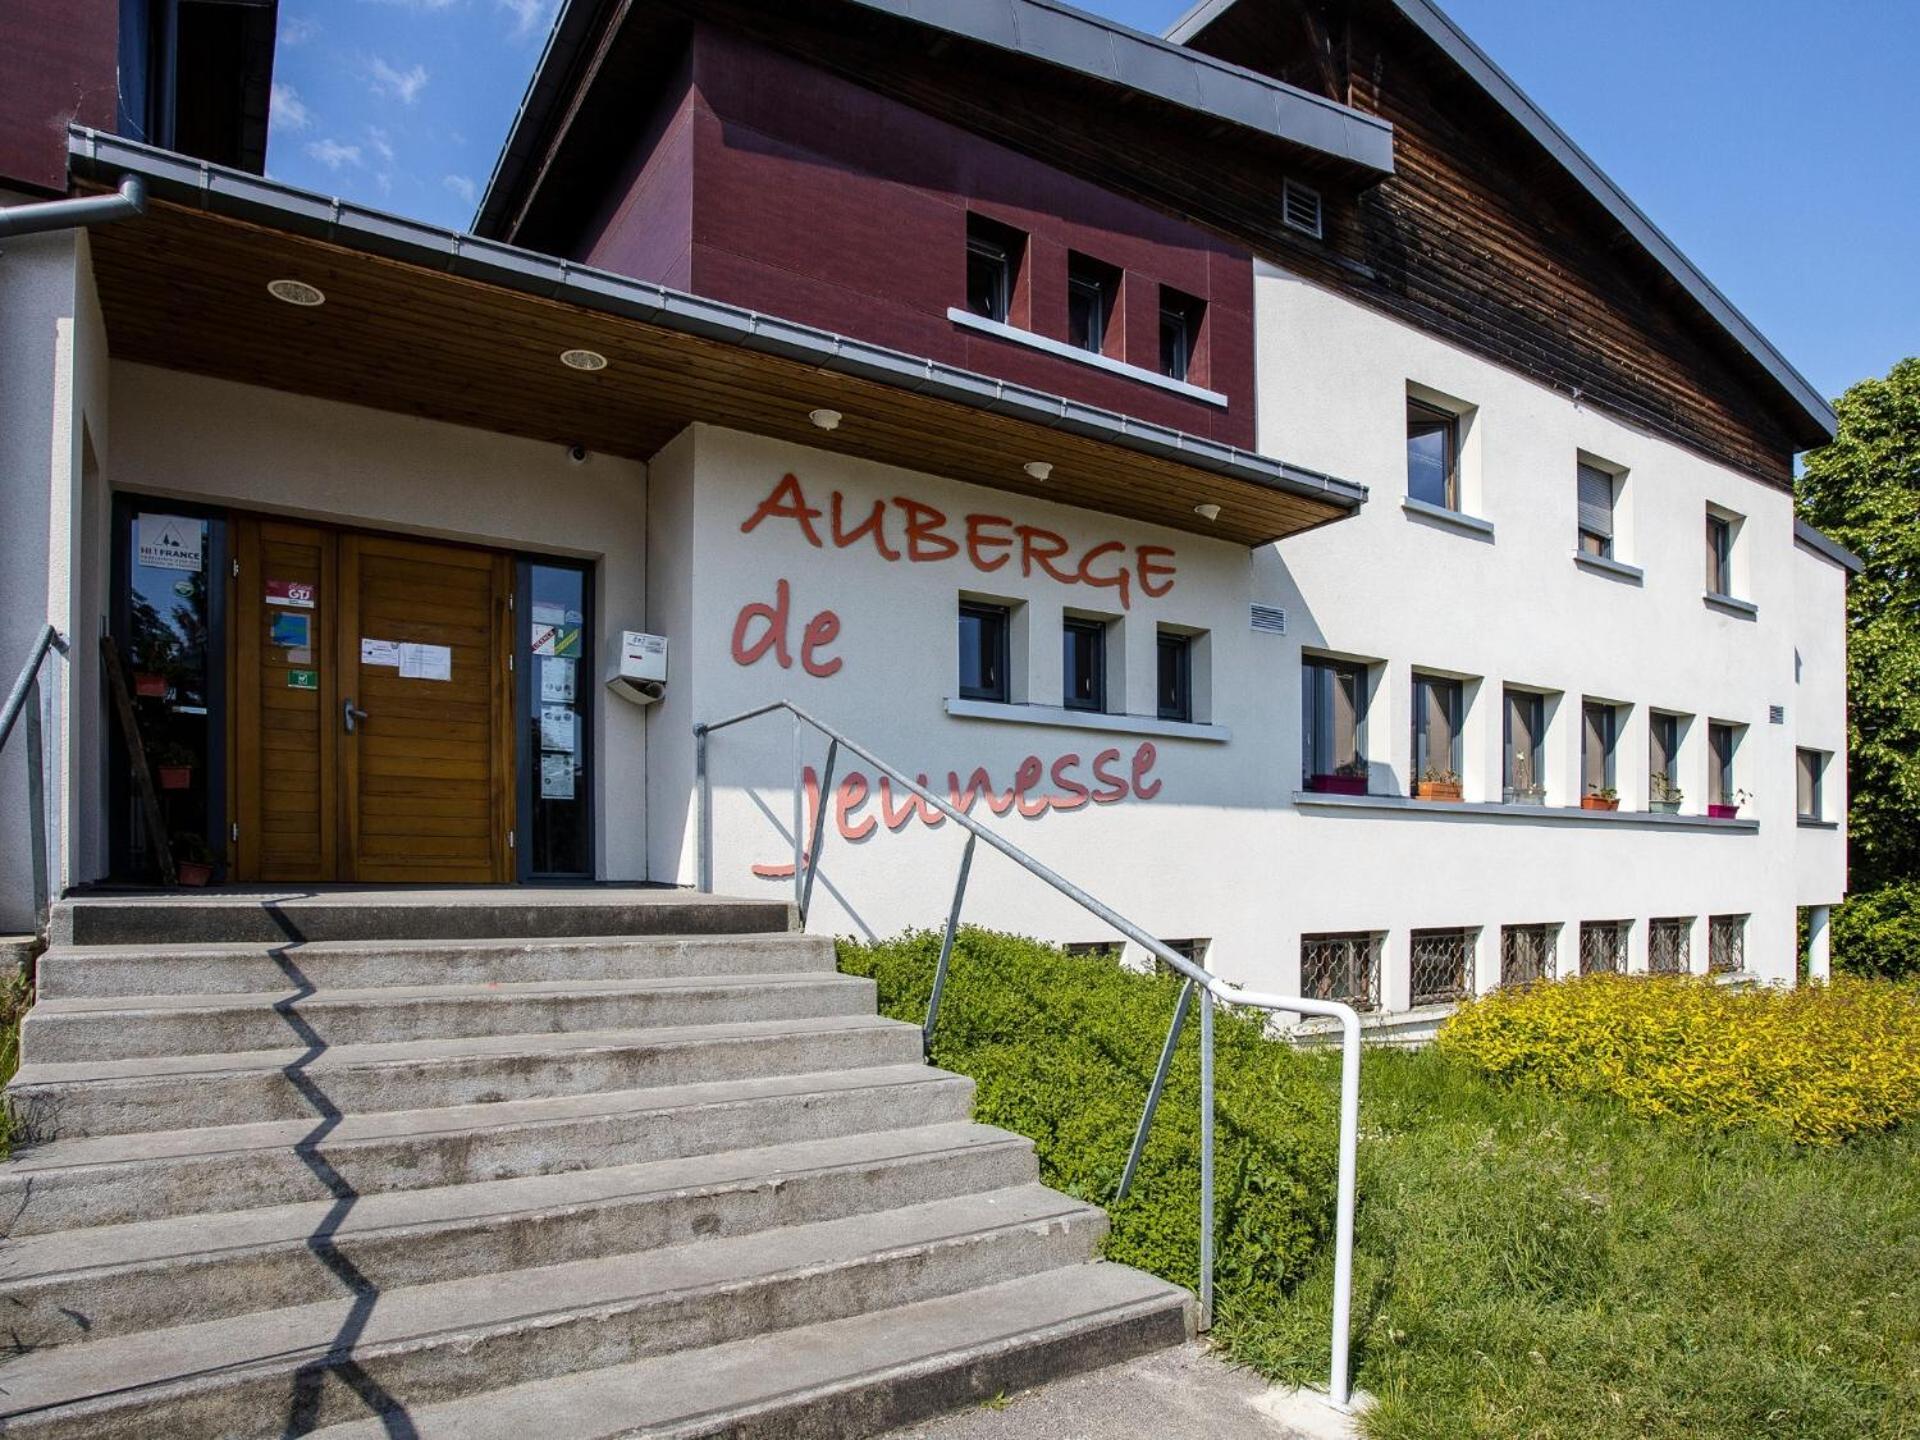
x,y
1719,554
1663,761
1442,965
993,265
1722,741
555,837
1667,943
1179,332
1176,676
1084,664
1194,951
1603,947
1595,509
1726,944
1344,966
1433,455
1526,954
1093,949
1091,291
1599,726
1436,729
1523,729
1808,771
983,651
1333,706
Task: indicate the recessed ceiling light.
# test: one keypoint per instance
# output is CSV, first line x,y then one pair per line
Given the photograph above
x,y
583,360
1038,469
296,292
1208,511
825,419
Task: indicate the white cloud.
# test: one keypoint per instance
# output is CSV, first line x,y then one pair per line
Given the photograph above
x,y
382,145
403,85
288,110
461,186
332,154
297,30
528,15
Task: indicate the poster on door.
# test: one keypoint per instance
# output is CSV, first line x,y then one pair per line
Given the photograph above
x,y
168,542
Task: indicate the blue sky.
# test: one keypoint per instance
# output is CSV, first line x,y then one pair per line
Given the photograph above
x,y
1774,142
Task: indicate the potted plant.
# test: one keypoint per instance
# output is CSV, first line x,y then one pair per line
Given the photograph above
x,y
1347,779
1601,797
150,668
1523,789
172,766
1729,811
1666,796
1437,782
192,861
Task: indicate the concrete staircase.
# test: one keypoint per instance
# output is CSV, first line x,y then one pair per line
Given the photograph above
x,y
493,1163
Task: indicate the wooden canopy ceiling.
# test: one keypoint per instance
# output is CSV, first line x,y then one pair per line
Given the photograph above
x,y
186,289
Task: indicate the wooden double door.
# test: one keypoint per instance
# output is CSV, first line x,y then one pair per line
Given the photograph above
x,y
372,730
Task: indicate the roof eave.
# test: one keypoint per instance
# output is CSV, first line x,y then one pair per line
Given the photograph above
x,y
1825,545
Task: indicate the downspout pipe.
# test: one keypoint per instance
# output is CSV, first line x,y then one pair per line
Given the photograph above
x,y
130,200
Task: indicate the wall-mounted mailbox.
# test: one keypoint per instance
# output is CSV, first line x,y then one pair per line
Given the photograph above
x,y
642,672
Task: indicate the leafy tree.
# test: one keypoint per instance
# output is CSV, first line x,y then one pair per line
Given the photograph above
x,y
1863,489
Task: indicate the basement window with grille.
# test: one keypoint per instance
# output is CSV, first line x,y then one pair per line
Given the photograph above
x,y
1526,954
1300,207
1343,966
1668,940
1603,947
1442,964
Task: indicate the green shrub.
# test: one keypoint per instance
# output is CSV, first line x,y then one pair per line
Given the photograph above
x,y
1877,932
1820,1064
16,995
1062,1049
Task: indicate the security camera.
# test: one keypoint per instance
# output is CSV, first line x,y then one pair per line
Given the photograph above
x,y
577,454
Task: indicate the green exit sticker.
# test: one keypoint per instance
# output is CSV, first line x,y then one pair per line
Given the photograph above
x,y
303,679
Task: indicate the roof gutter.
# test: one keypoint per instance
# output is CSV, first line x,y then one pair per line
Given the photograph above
x,y
219,190
75,214
1821,543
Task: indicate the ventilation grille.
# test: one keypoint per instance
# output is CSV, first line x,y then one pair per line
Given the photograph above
x,y
1300,207
1270,618
1776,714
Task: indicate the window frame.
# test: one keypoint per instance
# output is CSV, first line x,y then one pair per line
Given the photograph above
x,y
1609,736
1312,667
1188,313
1537,726
1094,632
1423,686
1433,419
1002,245
1719,542
1166,641
1000,617
1088,276
1721,784
1809,782
1605,539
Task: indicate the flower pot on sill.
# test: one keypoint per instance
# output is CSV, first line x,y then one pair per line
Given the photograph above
x,y
193,872
1666,807
1599,802
149,686
1338,784
1436,790
1722,812
174,777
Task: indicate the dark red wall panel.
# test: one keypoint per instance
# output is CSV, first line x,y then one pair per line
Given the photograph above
x,y
825,203
57,65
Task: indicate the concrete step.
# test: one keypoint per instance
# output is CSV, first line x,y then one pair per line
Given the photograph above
x,y
72,972
78,1285
291,1370
839,1379
119,1097
117,1179
277,917
125,1027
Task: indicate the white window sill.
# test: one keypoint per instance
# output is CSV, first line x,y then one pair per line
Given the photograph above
x,y
1746,609
1085,357
1607,565
1458,519
1491,810
1087,720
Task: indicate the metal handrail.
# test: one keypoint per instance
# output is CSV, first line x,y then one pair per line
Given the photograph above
x,y
1210,989
24,698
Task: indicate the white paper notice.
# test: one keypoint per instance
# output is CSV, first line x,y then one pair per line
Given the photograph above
x,y
556,728
425,662
556,777
168,542
556,680
380,652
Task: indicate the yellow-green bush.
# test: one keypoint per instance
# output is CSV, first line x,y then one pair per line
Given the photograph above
x,y
1819,1064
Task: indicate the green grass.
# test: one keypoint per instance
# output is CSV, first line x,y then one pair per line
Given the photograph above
x,y
1528,1265
15,996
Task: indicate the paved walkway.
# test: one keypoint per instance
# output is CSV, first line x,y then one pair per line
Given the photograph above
x,y
1168,1395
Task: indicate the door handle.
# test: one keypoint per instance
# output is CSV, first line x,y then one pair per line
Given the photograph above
x,y
351,714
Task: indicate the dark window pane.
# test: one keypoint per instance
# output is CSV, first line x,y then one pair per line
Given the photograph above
x,y
1174,345
1176,677
1335,697
987,280
1719,547
1432,446
560,841
1084,655
1436,729
1085,314
983,652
